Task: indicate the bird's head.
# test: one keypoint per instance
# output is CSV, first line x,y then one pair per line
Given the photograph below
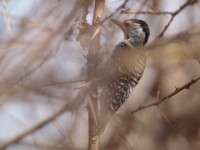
x,y
135,31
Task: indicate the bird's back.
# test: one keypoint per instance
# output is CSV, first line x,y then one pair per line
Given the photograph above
x,y
126,68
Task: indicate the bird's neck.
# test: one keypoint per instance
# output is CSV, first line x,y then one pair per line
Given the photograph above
x,y
136,41
135,38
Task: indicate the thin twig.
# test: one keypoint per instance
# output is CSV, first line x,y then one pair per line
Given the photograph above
x,y
177,90
165,28
150,12
64,82
92,108
173,15
162,112
114,12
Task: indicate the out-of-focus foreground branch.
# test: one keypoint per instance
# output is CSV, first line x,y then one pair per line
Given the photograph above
x,y
51,118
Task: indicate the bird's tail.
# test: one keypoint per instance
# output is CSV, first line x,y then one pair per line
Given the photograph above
x,y
103,117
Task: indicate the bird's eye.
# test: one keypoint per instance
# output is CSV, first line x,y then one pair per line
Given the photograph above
x,y
126,24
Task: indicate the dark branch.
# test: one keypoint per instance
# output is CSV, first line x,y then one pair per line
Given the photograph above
x,y
177,90
173,15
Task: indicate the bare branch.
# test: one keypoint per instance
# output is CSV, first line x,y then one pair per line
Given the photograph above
x,y
116,10
150,12
165,28
92,61
177,90
173,15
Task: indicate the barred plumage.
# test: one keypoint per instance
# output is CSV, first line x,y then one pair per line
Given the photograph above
x,y
127,65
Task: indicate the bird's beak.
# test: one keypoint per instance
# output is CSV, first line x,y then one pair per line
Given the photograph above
x,y
119,23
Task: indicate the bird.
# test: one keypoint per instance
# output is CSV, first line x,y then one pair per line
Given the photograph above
x,y
126,67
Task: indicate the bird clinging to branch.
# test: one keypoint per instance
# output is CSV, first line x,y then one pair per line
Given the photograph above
x,y
127,65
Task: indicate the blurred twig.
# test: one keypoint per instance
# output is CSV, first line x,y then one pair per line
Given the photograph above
x,y
64,82
49,50
114,12
160,109
85,12
6,16
67,107
177,90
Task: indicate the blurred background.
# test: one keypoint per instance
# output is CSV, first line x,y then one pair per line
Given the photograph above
x,y
43,63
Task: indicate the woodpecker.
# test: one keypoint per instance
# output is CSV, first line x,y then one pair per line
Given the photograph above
x,y
126,67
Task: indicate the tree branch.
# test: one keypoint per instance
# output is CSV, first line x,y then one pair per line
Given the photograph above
x,y
173,15
92,61
177,90
150,12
